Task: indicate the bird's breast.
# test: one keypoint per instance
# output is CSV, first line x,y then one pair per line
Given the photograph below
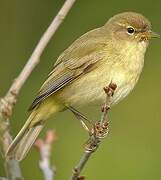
x,y
123,71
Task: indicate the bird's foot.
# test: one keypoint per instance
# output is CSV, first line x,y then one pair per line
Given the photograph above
x,y
99,131
101,128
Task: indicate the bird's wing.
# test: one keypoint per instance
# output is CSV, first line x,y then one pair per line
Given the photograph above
x,y
80,58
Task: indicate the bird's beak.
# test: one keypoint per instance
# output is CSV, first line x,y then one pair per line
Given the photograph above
x,y
154,34
147,35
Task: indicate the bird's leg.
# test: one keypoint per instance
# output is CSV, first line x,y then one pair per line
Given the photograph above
x,y
101,128
82,118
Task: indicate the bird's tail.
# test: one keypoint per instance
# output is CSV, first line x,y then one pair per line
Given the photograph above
x,y
33,126
25,138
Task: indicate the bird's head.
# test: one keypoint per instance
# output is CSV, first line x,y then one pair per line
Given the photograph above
x,y
130,26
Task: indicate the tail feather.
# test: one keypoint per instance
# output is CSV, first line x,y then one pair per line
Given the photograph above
x,y
28,134
24,140
27,142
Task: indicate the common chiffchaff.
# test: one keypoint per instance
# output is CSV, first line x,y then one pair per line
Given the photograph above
x,y
111,53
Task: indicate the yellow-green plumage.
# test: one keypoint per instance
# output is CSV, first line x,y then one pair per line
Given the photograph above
x,y
106,54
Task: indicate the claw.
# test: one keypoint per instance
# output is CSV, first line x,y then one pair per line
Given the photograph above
x,y
98,132
101,129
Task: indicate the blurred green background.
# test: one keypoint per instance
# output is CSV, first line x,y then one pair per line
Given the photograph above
x,y
133,147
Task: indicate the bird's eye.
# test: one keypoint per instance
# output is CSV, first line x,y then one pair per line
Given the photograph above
x,y
130,30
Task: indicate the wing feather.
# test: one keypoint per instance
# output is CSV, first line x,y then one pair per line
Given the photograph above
x,y
51,89
81,57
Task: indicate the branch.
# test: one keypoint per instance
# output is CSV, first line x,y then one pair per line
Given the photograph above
x,y
44,148
98,132
7,103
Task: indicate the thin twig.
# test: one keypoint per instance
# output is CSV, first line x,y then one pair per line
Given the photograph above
x,y
44,148
7,103
99,131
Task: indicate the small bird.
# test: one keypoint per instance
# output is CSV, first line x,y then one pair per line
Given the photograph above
x,y
112,53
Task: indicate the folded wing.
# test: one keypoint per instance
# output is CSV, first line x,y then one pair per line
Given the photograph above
x,y
80,58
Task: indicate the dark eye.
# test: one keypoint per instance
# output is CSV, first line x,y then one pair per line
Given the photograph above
x,y
130,30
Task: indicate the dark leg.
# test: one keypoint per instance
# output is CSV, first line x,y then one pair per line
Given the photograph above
x,y
82,118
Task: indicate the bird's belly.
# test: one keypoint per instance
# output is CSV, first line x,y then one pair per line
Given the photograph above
x,y
89,89
121,93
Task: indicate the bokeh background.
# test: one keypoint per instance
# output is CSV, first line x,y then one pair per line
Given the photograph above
x,y
133,147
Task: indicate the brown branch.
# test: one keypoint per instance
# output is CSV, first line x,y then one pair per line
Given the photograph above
x,y
44,148
98,132
7,103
